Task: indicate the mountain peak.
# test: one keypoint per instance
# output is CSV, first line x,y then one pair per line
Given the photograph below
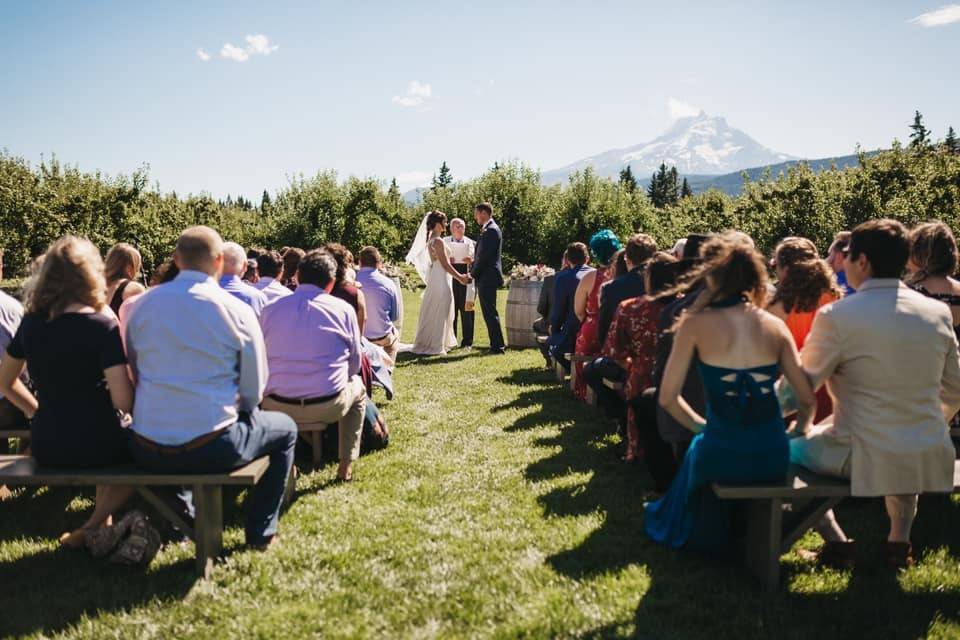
x,y
700,144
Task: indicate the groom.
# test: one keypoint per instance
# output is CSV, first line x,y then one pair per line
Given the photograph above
x,y
488,274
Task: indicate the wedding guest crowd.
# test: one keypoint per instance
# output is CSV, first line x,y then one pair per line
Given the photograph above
x,y
714,373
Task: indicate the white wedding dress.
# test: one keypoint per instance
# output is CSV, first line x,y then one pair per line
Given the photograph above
x,y
435,323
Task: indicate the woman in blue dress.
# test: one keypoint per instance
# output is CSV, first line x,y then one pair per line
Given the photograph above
x,y
740,350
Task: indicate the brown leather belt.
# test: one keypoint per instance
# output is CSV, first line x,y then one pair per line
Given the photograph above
x,y
303,402
175,449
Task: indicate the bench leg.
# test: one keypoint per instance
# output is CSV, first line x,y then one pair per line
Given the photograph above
x,y
764,530
316,445
208,502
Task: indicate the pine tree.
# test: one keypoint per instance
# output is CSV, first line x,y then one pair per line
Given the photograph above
x,y
920,137
671,190
627,179
655,190
265,200
685,191
950,142
443,179
394,192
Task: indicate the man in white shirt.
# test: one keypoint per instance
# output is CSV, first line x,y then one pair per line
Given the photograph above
x,y
270,284
462,250
200,366
231,278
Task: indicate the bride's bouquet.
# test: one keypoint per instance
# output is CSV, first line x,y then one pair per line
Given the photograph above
x,y
531,272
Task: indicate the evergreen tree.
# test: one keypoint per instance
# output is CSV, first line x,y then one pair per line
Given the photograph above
x,y
920,137
443,179
671,189
394,192
265,200
627,179
950,142
685,191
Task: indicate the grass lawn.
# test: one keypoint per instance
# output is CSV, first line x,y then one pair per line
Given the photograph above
x,y
500,509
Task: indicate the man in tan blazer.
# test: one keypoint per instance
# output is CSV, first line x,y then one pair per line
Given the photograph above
x,y
889,358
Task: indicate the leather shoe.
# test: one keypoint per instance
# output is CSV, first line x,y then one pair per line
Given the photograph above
x,y
899,555
837,555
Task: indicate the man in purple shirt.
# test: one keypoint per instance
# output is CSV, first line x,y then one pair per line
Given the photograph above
x,y
313,352
231,281
383,307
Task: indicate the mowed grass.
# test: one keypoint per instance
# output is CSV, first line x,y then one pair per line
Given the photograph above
x,y
499,510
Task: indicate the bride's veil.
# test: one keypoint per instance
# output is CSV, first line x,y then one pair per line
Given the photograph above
x,y
418,255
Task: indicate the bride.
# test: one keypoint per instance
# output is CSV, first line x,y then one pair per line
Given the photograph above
x,y
429,254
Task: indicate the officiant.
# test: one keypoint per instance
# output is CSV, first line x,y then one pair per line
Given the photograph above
x,y
461,249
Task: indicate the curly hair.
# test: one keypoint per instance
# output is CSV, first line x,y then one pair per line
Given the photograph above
x,y
343,257
804,284
933,249
604,244
731,267
70,272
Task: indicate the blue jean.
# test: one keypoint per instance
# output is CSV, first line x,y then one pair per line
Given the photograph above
x,y
262,433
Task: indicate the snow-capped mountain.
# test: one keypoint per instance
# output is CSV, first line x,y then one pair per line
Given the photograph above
x,y
699,144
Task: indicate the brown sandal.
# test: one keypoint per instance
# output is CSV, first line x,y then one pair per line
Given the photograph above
x,y
899,555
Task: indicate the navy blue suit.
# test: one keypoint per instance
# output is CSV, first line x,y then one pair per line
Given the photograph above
x,y
564,324
487,272
629,285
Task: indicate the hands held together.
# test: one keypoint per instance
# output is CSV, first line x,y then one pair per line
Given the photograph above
x,y
465,279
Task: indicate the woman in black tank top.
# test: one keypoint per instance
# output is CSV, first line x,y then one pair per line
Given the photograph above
x,y
121,270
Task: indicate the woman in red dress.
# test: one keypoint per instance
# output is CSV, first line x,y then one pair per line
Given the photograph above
x,y
604,246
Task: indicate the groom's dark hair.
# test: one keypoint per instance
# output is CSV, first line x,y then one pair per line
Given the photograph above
x,y
576,253
486,207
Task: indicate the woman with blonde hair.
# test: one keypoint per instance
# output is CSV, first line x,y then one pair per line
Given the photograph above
x,y
740,349
77,364
121,272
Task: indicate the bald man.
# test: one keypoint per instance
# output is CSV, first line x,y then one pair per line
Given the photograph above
x,y
200,366
234,267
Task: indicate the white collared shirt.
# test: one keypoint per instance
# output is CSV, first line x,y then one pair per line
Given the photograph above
x,y
198,358
461,249
272,288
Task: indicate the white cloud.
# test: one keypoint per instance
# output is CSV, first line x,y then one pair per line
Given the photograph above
x,y
203,55
942,16
231,52
257,45
418,93
260,44
413,179
680,109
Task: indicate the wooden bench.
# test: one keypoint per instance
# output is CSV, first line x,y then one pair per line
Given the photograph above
x,y
207,532
772,531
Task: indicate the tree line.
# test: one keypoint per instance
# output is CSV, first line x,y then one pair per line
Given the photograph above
x,y
912,183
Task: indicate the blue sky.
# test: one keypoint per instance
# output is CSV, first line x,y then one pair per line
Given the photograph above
x,y
393,88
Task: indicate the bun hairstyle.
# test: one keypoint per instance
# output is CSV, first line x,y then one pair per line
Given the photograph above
x,y
604,244
731,267
934,250
435,218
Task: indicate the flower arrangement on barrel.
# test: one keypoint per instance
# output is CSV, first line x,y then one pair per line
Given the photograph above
x,y
531,272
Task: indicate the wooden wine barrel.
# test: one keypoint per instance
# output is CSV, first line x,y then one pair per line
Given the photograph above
x,y
522,312
399,322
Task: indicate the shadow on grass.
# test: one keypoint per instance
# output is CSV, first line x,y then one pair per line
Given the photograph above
x,y
407,358
48,591
871,601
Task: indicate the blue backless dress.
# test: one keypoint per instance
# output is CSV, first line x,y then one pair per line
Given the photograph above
x,y
744,441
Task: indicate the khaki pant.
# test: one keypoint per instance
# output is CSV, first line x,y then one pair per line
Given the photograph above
x,y
390,343
346,410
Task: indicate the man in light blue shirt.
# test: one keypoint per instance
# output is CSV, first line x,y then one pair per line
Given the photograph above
x,y
382,301
200,367
231,280
270,266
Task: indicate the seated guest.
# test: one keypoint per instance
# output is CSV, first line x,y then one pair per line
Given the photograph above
x,y
564,324
743,439
251,275
805,284
889,357
165,273
313,347
345,286
121,271
382,303
631,343
76,361
198,357
11,314
835,260
291,262
270,266
640,248
541,326
234,266
673,432
932,263
604,246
